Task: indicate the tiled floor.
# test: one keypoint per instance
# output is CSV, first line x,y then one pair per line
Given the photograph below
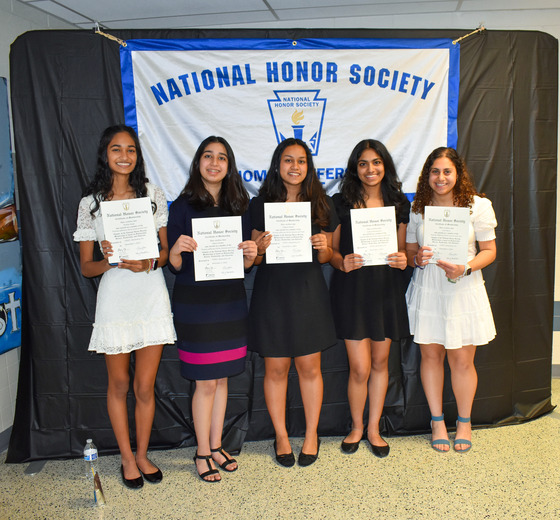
x,y
512,472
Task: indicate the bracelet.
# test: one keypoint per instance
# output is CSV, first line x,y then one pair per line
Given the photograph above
x,y
417,265
149,266
259,254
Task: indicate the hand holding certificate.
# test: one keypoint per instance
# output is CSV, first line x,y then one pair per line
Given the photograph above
x,y
217,256
129,226
446,231
290,226
374,233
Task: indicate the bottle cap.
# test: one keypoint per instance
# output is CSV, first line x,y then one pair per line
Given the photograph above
x,y
89,440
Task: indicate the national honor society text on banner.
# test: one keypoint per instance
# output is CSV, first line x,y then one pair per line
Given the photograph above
x,y
255,93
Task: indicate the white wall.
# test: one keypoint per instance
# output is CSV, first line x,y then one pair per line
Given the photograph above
x,y
16,18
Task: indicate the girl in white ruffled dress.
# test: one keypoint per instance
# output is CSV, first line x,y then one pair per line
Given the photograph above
x,y
448,307
133,313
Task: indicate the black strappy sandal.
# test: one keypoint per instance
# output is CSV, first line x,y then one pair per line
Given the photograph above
x,y
227,462
210,471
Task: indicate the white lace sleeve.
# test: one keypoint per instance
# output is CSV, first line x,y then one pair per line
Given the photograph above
x,y
161,211
85,229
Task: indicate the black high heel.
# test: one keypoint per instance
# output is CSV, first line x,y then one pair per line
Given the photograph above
x,y
208,459
228,460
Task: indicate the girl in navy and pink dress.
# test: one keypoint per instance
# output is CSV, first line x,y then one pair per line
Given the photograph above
x,y
210,316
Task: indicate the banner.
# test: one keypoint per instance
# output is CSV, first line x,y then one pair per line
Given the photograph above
x,y
10,257
331,93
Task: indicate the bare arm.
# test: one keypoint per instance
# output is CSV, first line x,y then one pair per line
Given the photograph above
x,y
347,263
90,267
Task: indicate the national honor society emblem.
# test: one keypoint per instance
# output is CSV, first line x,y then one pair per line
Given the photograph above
x,y
299,114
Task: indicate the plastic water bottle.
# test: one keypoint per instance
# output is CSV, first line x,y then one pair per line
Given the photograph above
x,y
92,472
90,459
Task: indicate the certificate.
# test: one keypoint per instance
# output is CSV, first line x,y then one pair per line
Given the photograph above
x,y
129,226
217,256
446,231
290,226
374,233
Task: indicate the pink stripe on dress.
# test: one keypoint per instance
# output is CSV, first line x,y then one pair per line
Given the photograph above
x,y
195,358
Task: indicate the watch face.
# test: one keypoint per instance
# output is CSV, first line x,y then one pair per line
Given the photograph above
x,y
469,271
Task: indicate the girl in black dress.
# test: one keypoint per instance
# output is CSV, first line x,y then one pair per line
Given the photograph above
x,y
368,302
290,316
210,316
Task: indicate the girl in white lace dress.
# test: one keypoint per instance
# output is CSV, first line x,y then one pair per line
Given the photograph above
x,y
448,308
133,312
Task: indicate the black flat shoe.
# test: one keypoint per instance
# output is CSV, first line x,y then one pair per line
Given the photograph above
x,y
133,483
349,447
153,478
305,459
286,459
379,451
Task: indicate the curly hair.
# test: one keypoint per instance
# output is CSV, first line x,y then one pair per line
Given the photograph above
x,y
101,186
311,189
233,199
351,187
463,191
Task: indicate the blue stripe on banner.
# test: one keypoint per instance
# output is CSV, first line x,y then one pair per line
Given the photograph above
x,y
129,98
453,100
270,44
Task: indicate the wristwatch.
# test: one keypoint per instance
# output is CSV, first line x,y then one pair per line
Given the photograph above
x,y
468,270
156,263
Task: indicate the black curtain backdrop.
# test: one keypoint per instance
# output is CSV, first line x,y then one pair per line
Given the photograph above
x,y
65,88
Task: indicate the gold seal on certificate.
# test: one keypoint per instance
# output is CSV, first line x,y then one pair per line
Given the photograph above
x,y
290,226
446,231
129,226
374,233
217,256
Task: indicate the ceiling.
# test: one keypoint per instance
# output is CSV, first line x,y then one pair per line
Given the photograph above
x,y
175,14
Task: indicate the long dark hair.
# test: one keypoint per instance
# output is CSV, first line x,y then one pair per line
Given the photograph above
x,y
351,187
311,189
102,184
463,191
233,198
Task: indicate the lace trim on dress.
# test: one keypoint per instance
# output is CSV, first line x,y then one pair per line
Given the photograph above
x,y
123,337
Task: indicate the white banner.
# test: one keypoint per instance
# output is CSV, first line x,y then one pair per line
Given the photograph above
x,y
255,93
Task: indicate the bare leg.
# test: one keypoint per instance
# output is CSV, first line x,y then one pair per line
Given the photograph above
x,y
202,406
359,360
217,425
275,389
431,372
146,366
464,381
377,388
311,387
117,389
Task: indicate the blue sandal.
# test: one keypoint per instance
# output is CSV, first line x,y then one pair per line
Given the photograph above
x,y
462,441
439,442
